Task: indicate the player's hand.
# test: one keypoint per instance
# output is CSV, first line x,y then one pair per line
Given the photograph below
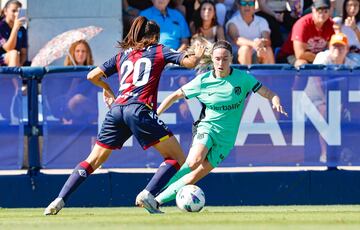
x,y
199,50
108,97
277,105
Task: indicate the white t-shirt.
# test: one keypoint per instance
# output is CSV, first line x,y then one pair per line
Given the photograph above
x,y
252,31
324,59
351,35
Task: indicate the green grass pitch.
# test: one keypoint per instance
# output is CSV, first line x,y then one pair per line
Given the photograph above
x,y
239,217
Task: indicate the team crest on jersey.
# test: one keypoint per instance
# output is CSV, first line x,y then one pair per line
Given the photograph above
x,y
237,90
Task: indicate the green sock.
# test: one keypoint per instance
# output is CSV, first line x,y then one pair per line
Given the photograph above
x,y
169,194
185,169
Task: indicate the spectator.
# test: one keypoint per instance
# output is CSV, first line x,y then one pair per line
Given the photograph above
x,y
338,49
205,23
351,27
78,101
174,31
13,36
79,54
276,14
250,34
309,35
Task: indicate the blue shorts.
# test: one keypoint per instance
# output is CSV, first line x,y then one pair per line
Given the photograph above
x,y
123,121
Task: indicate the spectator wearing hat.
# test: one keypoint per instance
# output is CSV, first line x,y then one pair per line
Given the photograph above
x,y
335,55
309,36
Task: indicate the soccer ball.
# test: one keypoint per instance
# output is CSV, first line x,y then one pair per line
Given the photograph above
x,y
190,198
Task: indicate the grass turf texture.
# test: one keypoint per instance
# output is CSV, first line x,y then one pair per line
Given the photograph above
x,y
240,217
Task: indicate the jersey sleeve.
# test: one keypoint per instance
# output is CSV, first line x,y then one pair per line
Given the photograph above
x,y
109,67
253,84
172,56
193,88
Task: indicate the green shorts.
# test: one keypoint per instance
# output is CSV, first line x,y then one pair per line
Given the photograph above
x,y
216,153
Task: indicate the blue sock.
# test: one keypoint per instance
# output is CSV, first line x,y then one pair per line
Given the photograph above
x,y
80,173
166,170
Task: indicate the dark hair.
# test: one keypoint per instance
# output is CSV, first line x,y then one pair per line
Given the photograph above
x,y
197,16
345,15
222,44
143,32
7,4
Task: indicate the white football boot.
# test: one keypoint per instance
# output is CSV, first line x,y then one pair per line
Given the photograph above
x,y
54,207
146,200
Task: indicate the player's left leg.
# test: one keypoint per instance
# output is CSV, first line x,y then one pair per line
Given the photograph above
x,y
81,172
194,176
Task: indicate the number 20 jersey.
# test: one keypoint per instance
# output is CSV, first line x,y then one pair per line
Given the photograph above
x,y
139,72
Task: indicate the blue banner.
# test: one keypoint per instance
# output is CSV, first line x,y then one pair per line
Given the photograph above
x,y
12,104
322,128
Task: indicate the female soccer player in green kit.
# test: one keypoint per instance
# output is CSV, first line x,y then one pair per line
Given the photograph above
x,y
223,91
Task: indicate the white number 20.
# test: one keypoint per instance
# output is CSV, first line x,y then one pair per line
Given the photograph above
x,y
128,66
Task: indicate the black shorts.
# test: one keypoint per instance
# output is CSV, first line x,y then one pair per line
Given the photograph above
x,y
136,119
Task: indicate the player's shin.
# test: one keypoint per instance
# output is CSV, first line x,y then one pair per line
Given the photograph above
x,y
166,170
185,169
169,194
80,173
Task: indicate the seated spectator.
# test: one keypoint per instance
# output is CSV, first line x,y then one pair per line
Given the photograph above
x,y
250,34
351,27
205,23
276,14
338,49
174,31
309,35
13,36
73,104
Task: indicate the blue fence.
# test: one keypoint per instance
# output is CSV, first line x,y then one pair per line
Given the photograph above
x,y
55,120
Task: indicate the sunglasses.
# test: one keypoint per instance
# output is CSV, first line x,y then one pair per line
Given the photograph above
x,y
243,3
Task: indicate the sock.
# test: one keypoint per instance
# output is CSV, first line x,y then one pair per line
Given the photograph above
x,y
166,170
169,194
80,173
185,169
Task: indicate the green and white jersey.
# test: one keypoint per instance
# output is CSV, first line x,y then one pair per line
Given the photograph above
x,y
224,100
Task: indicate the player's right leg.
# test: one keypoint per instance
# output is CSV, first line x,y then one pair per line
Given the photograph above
x,y
97,156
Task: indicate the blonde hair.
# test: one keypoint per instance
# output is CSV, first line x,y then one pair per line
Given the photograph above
x,y
89,59
205,63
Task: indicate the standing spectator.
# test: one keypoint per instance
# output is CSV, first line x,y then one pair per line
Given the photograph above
x,y
205,23
338,49
13,37
174,31
309,35
276,14
250,34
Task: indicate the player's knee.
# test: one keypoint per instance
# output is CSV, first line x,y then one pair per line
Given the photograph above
x,y
194,163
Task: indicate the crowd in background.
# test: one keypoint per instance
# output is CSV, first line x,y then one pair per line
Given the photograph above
x,y
261,31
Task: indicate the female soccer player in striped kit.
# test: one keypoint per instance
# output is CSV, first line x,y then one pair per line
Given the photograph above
x,y
223,92
133,112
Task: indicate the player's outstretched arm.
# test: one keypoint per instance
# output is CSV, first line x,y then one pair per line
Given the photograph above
x,y
190,61
275,99
169,100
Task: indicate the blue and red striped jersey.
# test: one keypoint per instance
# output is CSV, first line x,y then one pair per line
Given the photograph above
x,y
139,72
